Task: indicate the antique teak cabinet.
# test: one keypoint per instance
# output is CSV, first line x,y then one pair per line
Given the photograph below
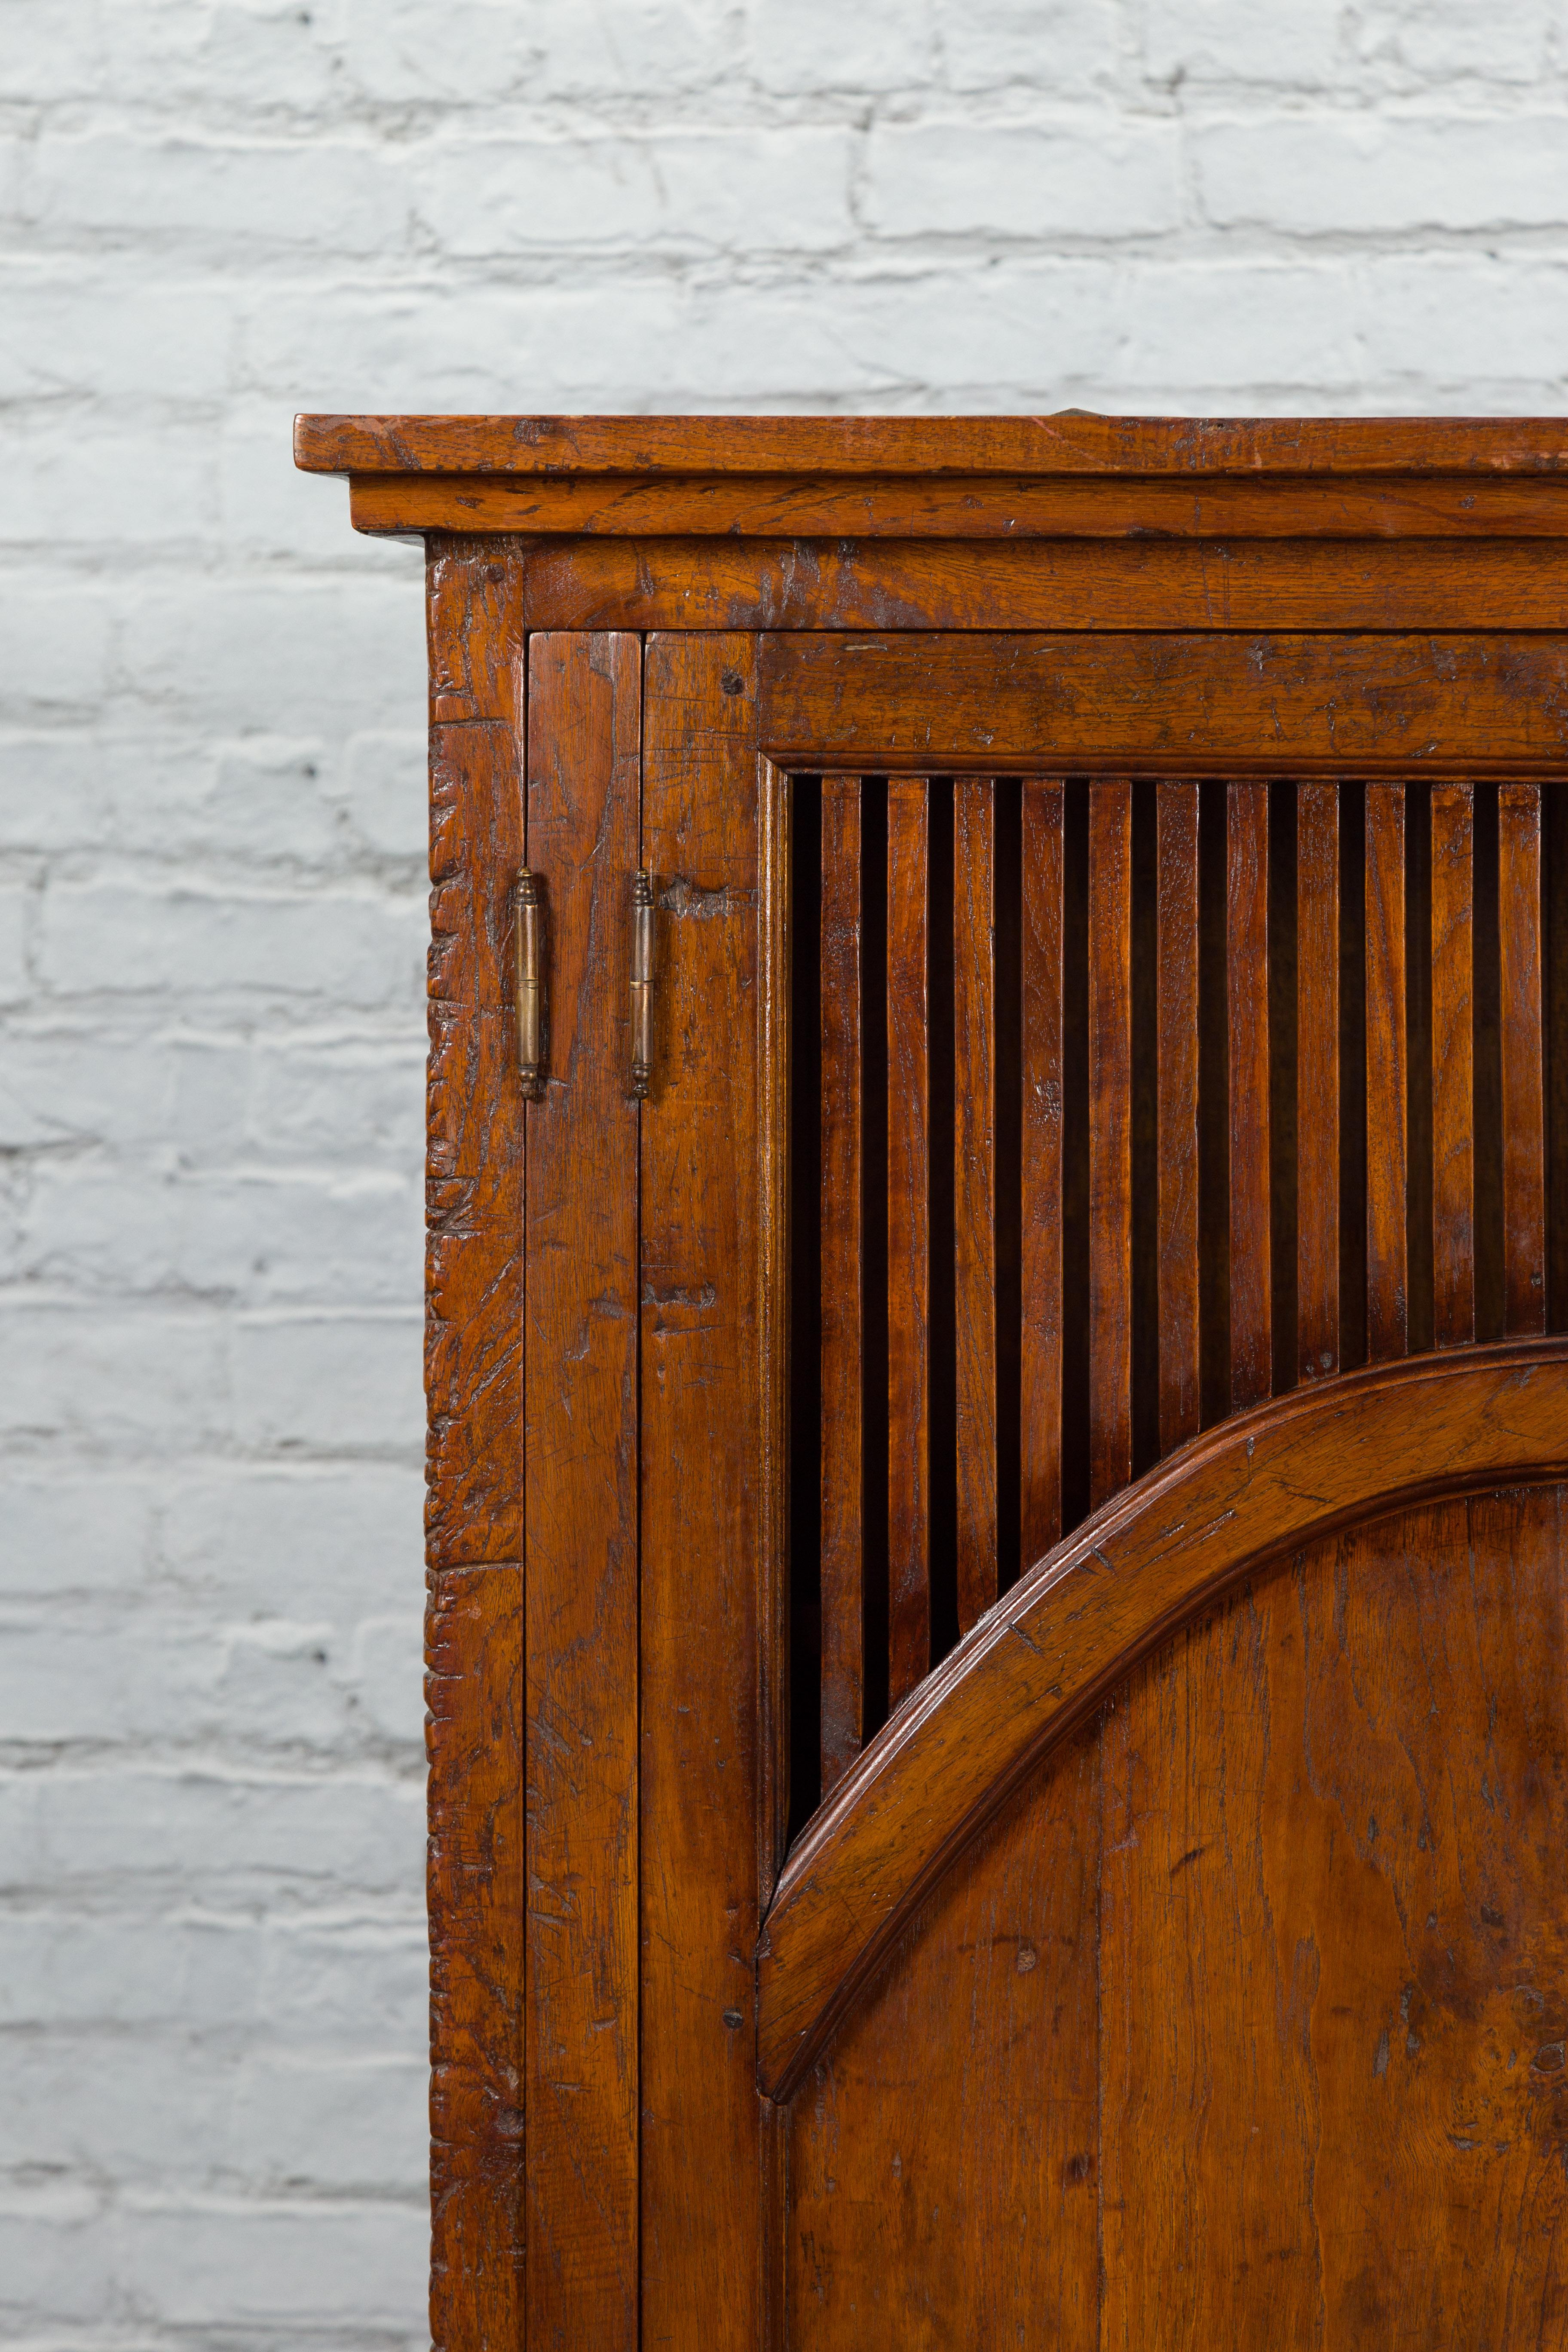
x,y
998,1267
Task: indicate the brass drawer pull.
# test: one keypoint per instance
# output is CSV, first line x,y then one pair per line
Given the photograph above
x,y
530,989
642,983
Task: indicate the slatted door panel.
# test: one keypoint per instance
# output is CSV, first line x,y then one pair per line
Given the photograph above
x,y
1121,1106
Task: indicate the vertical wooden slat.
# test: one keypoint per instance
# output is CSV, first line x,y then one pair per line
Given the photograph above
x,y
974,1189
705,2132
908,1240
1453,1067
580,1555
1317,1080
1523,1063
1040,1353
843,1369
1247,1000
1177,1116
1387,1287
1110,1138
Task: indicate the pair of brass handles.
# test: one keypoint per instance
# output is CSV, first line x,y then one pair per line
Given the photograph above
x,y
531,985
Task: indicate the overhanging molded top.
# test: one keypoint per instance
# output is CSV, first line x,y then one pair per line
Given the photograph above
x,y
1071,443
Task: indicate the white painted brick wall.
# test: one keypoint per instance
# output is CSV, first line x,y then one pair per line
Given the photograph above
x,y
213,212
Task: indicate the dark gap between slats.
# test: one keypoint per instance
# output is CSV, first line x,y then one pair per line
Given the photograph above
x,y
1074,1154
1214,1113
1353,1076
1145,962
1419,1282
943,1340
874,1248
1554,926
1009,1204
805,1284
1486,1001
1282,1164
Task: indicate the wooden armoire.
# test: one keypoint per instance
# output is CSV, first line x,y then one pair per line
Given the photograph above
x,y
998,1379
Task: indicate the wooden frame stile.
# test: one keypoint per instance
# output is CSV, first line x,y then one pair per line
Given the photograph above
x,y
775,831
1280,707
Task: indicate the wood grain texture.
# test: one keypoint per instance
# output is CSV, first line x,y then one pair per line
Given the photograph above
x,y
843,1371
1071,443
1255,1486
474,1177
1453,1066
1040,1351
473,1354
955,2202
1332,1945
1110,1138
581,1538
474,1733
1317,1080
1387,1259
958,505
582,582
1176,826
909,1239
974,1188
704,2248
1177,703
1519,928
1247,1000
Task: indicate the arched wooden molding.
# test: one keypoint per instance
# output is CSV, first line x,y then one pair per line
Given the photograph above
x,y
1037,1665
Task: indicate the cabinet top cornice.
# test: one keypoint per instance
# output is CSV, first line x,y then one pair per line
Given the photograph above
x,y
1070,443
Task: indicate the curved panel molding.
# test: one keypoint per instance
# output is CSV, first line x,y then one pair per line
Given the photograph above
x,y
1040,1663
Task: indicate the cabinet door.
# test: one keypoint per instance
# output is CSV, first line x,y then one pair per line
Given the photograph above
x,y
1043,1564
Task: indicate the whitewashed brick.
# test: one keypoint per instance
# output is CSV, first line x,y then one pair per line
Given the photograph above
x,y
1216,41
74,1831
329,1381
387,1666
245,2261
107,1376
1089,175
307,2117
786,188
65,488
238,658
817,44
87,1532
15,903
343,1540
57,643
1431,42
332,194
1438,318
354,1098
554,49
254,1236
131,935
1357,175
384,791
84,325
1028,44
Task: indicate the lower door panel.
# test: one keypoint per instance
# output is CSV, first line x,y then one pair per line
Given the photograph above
x,y
1243,2020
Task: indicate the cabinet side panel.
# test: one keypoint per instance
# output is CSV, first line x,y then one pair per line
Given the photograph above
x,y
474,1170
473,1382
474,1693
580,1592
702,1441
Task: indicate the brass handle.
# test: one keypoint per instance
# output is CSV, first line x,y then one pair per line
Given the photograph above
x,y
530,989
642,983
